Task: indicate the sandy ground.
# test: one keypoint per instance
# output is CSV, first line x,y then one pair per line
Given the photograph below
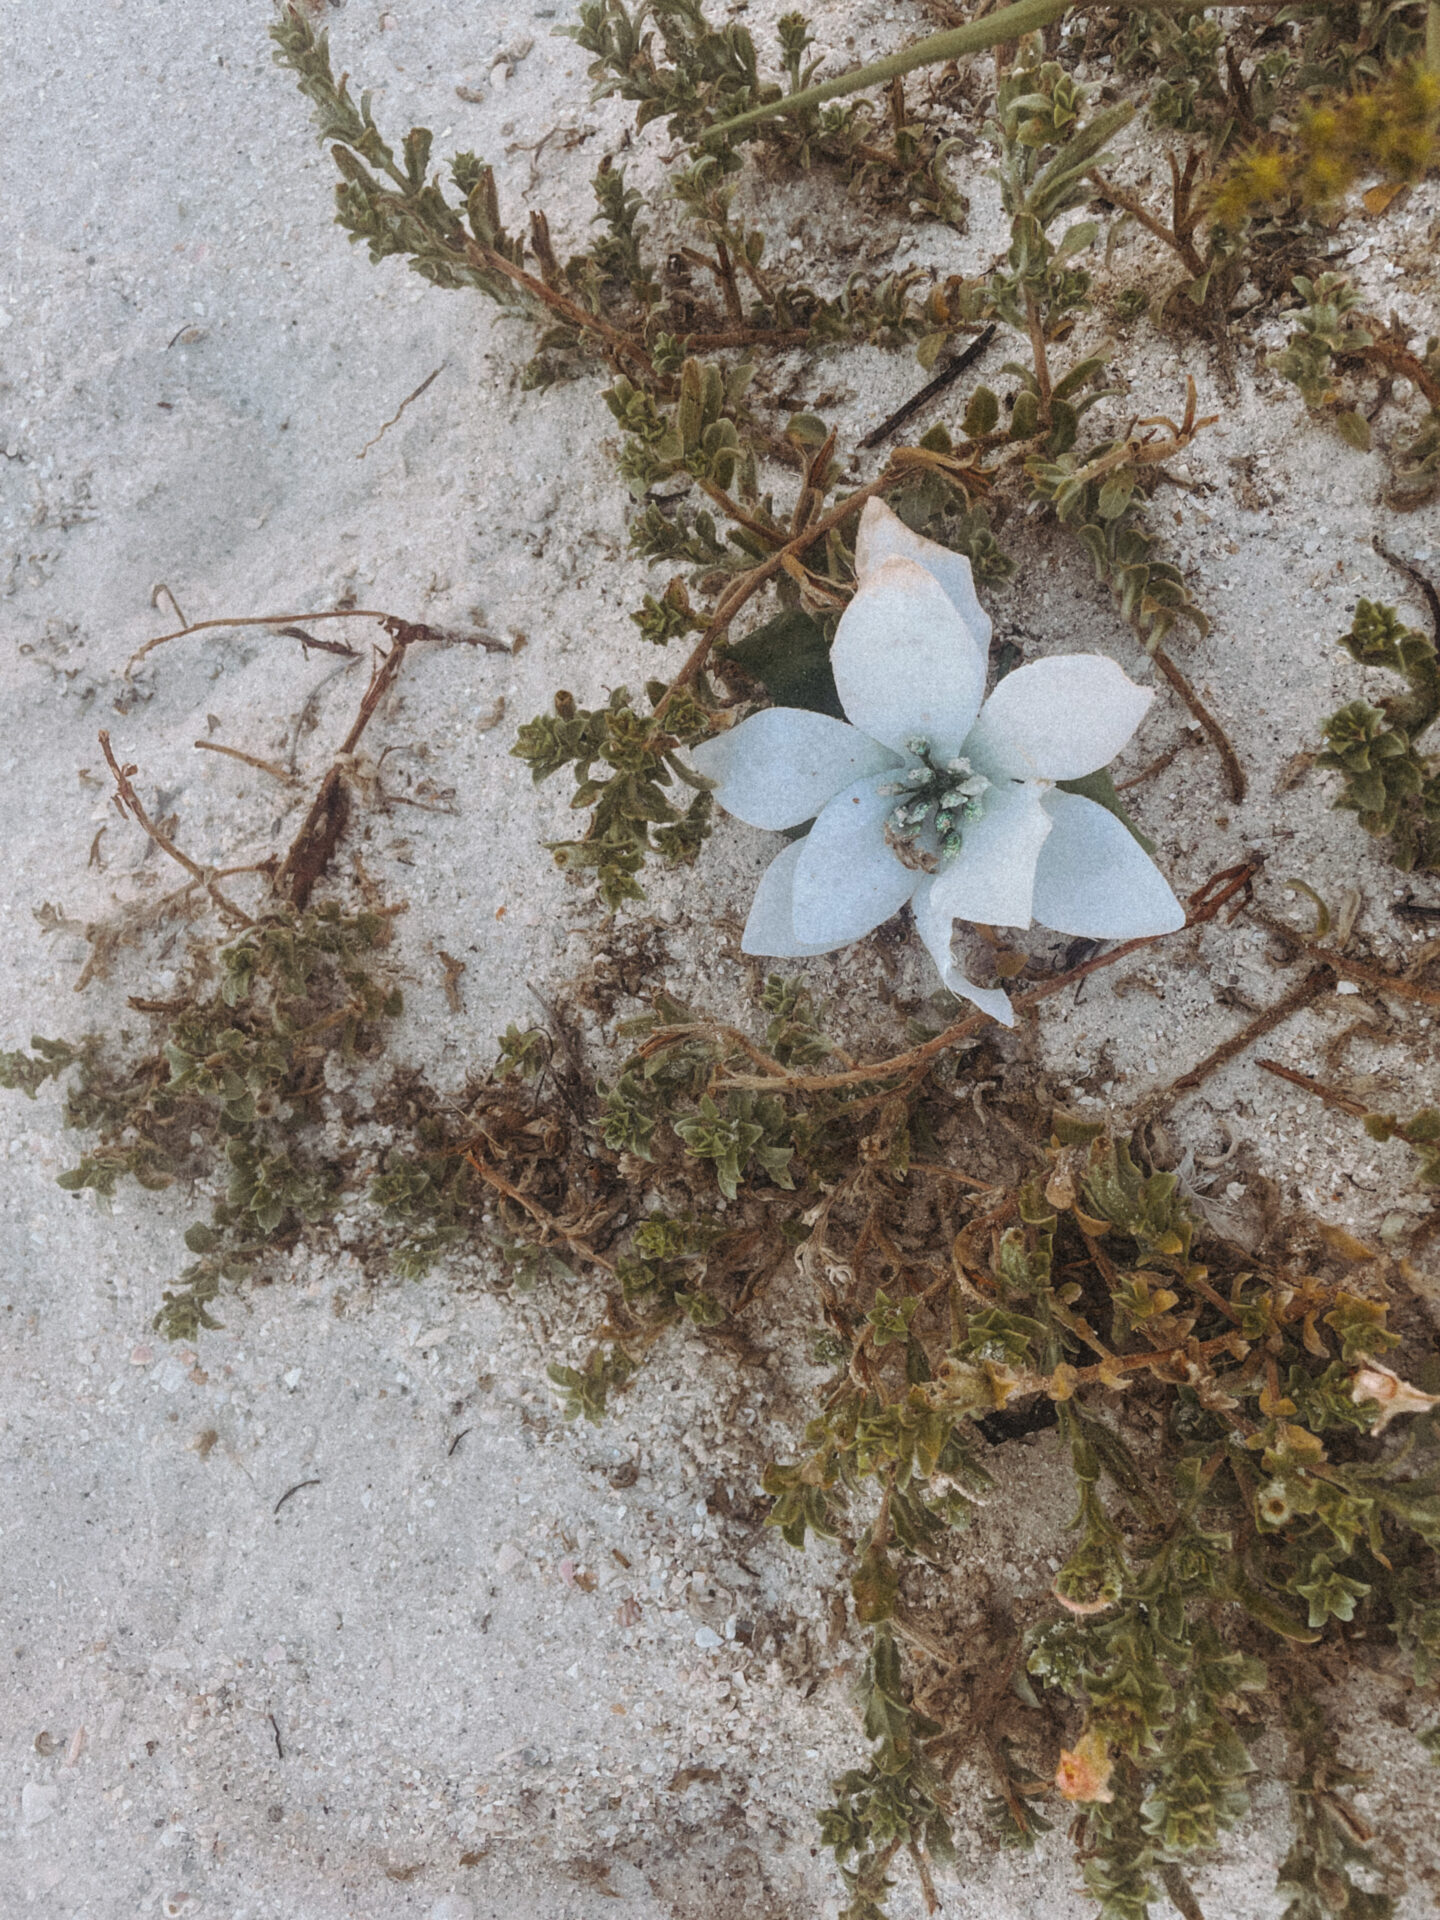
x,y
540,1671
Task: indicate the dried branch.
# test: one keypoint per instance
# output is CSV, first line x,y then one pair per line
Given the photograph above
x,y
1358,970
128,804
1300,995
1205,903
749,584
1331,1096
250,759
279,620
1235,781
313,847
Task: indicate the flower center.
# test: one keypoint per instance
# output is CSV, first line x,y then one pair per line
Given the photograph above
x,y
936,798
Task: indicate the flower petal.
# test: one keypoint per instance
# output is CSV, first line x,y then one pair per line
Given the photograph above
x,y
780,766
905,663
847,880
936,929
1058,719
992,878
1095,879
883,534
770,930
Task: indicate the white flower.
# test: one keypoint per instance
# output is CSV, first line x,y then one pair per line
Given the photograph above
x,y
935,795
1375,1381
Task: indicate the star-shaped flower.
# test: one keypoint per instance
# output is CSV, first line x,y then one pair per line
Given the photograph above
x,y
933,794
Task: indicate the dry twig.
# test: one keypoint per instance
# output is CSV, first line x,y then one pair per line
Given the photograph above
x,y
128,805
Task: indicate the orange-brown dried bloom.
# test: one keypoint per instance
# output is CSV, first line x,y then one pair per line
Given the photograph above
x,y
1084,1774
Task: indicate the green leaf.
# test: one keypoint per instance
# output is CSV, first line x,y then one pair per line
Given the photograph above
x,y
1354,429
981,414
807,430
875,1584
1100,787
790,659
1077,239
1025,418
1268,1612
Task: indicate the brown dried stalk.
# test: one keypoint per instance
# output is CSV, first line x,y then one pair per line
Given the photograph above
x,y
1358,970
749,584
546,1220
1204,903
278,620
313,847
1235,781
250,760
1300,995
128,805
1331,1096
1184,218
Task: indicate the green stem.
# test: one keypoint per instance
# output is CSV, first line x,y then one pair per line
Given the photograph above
x,y
1010,23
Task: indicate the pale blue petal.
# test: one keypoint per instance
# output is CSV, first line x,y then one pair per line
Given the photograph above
x,y
770,930
1058,719
847,880
780,766
936,928
1094,878
883,535
992,878
905,663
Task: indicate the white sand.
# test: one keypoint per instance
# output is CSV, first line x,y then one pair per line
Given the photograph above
x,y
191,360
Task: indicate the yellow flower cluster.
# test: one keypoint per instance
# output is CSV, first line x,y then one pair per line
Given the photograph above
x,y
1390,129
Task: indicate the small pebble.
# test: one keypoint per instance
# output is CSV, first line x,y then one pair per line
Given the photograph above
x,y
453,1906
508,1558
37,1803
708,1639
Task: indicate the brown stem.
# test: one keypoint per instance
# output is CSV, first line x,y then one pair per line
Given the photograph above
x,y
1132,1362
255,620
1349,969
1235,782
1299,996
927,1883
314,846
1042,362
749,584
1128,203
1397,359
250,759
737,513
746,337
729,286
667,1036
1205,903
1331,1096
1157,765
494,1178
128,802
621,345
